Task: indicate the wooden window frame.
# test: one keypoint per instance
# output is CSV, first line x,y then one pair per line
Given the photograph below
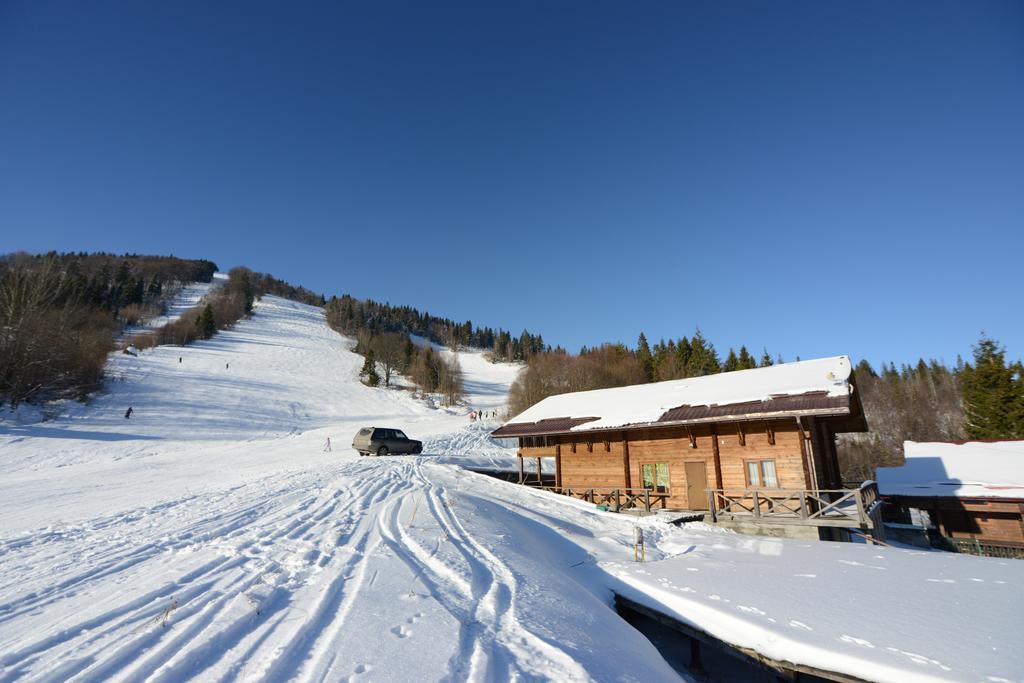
x,y
760,473
640,467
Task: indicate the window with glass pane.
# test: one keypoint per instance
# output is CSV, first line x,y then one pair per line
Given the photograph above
x,y
662,472
753,474
768,472
655,476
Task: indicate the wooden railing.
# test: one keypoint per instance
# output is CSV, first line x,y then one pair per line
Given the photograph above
x,y
829,507
616,499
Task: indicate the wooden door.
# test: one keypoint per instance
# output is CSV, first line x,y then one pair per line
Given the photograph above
x,y
696,485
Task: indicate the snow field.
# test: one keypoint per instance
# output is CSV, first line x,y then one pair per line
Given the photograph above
x,y
210,538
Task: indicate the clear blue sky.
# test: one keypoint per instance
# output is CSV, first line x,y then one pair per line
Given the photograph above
x,y
815,178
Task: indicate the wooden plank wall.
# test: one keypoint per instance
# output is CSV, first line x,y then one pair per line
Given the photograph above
x,y
593,467
602,466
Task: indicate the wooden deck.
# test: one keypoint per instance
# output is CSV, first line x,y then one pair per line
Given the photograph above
x,y
849,508
614,499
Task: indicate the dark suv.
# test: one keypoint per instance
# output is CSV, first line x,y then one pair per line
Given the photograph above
x,y
383,441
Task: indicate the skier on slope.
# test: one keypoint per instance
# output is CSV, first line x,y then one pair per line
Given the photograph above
x,y
128,413
327,446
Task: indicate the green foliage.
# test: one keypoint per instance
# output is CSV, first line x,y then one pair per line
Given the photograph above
x,y
746,361
645,358
369,371
993,394
206,325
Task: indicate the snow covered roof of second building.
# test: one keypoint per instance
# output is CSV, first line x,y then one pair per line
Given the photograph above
x,y
975,469
826,380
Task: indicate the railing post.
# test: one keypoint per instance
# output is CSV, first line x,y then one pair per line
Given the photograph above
x,y
862,514
803,505
711,505
757,505
647,500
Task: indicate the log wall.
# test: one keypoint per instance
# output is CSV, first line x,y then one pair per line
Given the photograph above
x,y
597,463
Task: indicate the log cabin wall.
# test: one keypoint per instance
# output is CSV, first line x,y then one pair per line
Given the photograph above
x,y
672,447
592,465
597,463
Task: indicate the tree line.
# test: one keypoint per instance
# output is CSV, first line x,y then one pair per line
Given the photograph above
x,y
60,313
351,316
556,371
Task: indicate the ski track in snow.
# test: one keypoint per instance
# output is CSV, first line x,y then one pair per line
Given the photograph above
x,y
210,538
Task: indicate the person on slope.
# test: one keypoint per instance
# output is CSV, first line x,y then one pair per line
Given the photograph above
x,y
327,446
128,413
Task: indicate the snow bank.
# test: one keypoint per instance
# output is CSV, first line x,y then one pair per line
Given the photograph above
x,y
645,403
879,614
975,469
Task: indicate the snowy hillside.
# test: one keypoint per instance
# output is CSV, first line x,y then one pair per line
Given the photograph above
x,y
209,537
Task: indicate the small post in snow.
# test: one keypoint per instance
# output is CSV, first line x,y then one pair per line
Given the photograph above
x,y
639,552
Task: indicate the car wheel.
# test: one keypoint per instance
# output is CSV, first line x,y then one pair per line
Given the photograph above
x,y
383,450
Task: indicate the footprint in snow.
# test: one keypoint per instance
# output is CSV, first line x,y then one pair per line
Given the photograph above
x,y
750,610
920,659
806,576
401,631
800,625
857,641
941,580
414,618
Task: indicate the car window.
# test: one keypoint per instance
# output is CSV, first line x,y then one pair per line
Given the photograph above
x,y
399,434
364,431
389,433
379,434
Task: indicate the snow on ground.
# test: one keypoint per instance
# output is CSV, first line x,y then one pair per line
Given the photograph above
x,y
210,538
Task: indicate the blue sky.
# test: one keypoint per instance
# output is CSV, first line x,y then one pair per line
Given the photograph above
x,y
815,178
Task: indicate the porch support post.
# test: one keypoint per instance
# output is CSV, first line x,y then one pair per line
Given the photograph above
x,y
558,465
539,479
807,450
625,461
717,457
519,463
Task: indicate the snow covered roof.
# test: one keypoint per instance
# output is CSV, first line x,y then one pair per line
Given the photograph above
x,y
975,469
811,387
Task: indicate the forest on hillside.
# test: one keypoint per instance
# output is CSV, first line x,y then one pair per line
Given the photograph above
x,y
60,313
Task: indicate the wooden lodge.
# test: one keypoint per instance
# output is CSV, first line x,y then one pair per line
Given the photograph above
x,y
961,496
752,447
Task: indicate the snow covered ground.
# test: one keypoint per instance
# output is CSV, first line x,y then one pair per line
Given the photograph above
x,y
209,537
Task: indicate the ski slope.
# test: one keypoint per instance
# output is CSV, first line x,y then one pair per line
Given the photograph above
x,y
209,537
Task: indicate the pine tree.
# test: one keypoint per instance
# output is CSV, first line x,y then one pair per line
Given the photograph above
x,y
766,359
703,359
732,363
206,326
644,357
993,394
369,370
